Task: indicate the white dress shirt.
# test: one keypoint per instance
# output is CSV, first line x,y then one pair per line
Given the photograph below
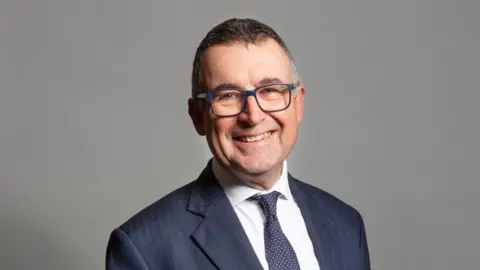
x,y
252,219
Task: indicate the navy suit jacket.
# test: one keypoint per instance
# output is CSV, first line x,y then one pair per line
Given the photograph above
x,y
196,228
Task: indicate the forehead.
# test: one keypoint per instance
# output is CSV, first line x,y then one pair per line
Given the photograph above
x,y
246,64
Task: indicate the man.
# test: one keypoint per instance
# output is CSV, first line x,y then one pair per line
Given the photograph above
x,y
245,211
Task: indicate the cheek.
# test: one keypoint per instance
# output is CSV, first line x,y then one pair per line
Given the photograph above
x,y
289,124
220,139
220,129
287,119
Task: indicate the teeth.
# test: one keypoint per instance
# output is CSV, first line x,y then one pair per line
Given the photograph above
x,y
256,138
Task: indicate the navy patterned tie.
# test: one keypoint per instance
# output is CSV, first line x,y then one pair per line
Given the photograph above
x,y
278,250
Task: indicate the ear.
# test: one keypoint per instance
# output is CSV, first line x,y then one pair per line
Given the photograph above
x,y
196,114
299,103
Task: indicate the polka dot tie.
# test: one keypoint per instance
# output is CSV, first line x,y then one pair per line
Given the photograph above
x,y
278,250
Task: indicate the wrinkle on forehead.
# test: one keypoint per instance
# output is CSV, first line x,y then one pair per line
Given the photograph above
x,y
246,64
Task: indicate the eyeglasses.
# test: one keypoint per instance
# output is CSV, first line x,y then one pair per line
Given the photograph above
x,y
231,102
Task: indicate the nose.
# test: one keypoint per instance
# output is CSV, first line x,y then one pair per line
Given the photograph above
x,y
253,114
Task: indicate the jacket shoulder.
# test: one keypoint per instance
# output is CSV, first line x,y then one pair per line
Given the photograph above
x,y
164,215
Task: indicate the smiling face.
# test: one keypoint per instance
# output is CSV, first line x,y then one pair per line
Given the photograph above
x,y
253,142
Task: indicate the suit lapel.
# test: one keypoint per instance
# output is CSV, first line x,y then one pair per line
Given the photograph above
x,y
320,226
220,235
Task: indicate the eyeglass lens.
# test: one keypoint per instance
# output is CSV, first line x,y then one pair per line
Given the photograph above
x,y
269,98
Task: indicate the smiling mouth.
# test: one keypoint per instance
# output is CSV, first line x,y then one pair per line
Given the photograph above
x,y
254,138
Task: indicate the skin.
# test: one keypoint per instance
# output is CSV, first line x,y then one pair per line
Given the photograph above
x,y
247,66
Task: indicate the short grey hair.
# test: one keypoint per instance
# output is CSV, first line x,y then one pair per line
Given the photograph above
x,y
234,31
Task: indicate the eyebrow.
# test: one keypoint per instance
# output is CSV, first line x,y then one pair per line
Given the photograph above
x,y
270,80
226,86
264,81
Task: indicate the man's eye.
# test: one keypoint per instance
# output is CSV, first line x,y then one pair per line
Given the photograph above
x,y
270,90
228,96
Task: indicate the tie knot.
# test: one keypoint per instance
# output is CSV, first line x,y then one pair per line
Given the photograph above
x,y
268,203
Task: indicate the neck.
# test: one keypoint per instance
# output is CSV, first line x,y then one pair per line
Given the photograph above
x,y
261,181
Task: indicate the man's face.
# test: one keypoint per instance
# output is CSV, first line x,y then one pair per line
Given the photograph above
x,y
247,66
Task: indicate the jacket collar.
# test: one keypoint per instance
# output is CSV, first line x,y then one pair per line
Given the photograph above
x,y
320,222
220,235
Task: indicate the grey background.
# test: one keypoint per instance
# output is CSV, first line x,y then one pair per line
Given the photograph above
x,y
94,124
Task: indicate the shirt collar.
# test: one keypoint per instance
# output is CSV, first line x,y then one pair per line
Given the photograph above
x,y
238,192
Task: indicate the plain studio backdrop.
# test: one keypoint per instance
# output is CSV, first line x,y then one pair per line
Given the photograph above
x,y
94,123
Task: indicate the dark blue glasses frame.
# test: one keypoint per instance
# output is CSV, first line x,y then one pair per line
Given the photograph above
x,y
209,95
